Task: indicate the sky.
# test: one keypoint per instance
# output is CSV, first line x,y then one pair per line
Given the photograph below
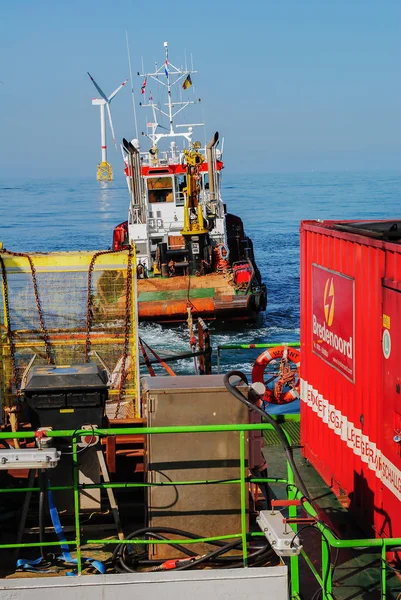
x,y
291,85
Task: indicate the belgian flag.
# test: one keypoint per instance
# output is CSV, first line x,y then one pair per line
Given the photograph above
x,y
187,82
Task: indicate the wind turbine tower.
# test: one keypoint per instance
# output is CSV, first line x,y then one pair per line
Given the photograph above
x,y
104,170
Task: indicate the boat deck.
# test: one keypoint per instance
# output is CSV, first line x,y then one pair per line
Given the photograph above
x,y
160,288
210,296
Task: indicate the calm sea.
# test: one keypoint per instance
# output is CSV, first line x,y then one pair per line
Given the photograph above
x,y
44,215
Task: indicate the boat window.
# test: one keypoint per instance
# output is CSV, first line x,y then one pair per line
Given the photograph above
x,y
160,189
180,184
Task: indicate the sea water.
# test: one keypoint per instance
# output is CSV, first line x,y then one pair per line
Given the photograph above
x,y
49,215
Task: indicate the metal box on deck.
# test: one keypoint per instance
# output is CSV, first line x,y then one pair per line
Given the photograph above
x,y
351,364
206,509
258,583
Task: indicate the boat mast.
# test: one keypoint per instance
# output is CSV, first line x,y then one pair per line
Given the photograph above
x,y
173,77
132,84
170,105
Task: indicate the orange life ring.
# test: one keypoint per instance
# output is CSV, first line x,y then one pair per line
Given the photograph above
x,y
286,376
221,257
222,251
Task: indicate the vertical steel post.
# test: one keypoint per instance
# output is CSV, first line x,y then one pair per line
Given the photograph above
x,y
208,350
76,503
383,571
326,575
201,346
243,496
292,512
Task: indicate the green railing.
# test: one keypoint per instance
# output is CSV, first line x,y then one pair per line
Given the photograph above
x,y
250,347
329,541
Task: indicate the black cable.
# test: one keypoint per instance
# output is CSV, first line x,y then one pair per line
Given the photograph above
x,y
297,533
317,594
390,566
281,435
335,563
255,559
120,550
85,447
326,578
262,474
287,448
42,502
176,546
321,521
121,553
212,556
209,556
46,558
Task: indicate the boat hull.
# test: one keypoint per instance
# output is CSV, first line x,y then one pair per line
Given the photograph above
x,y
210,297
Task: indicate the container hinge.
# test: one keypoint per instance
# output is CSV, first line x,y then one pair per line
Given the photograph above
x,y
151,404
153,477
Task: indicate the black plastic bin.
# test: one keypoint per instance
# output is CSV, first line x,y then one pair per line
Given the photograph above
x,y
66,397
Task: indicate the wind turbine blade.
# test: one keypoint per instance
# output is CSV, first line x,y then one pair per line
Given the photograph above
x,y
111,125
110,98
101,92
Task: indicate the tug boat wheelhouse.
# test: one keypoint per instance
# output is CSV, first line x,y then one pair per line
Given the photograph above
x,y
191,254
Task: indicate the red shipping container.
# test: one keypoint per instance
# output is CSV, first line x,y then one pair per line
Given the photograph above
x,y
351,364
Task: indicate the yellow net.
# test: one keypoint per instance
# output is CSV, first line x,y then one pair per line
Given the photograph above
x,y
68,308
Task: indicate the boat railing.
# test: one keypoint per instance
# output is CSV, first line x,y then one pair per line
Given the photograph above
x,y
294,500
165,158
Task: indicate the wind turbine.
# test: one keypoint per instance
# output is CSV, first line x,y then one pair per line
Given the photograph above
x,y
104,170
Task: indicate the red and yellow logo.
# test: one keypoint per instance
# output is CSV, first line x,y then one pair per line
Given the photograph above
x,y
332,338
328,300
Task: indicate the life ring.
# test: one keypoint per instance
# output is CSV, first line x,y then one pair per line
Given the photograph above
x,y
286,376
141,271
222,251
221,257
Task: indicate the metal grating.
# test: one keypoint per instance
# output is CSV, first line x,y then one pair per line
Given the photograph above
x,y
291,427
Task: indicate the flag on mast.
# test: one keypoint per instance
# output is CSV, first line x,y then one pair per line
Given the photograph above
x,y
166,68
187,82
144,86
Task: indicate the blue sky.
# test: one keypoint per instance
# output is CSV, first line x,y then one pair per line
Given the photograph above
x,y
292,85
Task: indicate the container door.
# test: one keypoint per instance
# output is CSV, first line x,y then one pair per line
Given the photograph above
x,y
388,514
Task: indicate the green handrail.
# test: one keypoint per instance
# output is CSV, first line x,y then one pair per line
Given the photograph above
x,y
243,496
142,431
324,580
251,346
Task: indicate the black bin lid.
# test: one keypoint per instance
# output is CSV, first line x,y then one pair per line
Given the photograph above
x,y
67,377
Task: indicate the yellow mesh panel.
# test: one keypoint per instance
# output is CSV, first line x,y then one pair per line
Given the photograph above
x,y
62,280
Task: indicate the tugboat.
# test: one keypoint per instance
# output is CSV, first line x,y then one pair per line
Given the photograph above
x,y
192,256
